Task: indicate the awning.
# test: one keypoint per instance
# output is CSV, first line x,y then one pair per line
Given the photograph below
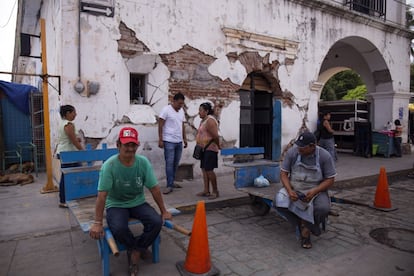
x,y
18,94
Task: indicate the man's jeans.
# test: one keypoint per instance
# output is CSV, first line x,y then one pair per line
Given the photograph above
x,y
172,154
117,219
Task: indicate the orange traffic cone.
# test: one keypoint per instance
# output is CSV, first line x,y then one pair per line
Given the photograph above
x,y
382,195
198,253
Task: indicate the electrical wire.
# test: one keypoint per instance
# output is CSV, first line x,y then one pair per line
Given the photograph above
x,y
10,16
53,87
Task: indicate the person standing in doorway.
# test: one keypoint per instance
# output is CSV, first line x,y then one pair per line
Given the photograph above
x,y
171,136
208,138
327,140
67,141
397,138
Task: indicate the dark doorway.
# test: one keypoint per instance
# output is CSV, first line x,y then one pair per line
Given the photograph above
x,y
256,117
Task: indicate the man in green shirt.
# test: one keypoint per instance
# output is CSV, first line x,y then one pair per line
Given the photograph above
x,y
121,193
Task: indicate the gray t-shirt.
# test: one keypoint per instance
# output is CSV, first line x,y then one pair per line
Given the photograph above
x,y
325,160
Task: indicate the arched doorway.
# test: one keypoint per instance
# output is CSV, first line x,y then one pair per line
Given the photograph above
x,y
384,103
362,56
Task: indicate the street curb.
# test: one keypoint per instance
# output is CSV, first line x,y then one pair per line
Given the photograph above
x,y
370,180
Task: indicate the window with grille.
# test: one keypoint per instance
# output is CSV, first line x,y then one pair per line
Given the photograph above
x,y
375,8
137,83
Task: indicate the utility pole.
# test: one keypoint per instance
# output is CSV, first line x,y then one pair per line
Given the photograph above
x,y
49,186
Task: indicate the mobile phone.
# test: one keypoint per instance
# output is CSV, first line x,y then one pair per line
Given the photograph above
x,y
301,195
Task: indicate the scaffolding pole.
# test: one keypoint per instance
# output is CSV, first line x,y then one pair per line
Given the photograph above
x,y
49,186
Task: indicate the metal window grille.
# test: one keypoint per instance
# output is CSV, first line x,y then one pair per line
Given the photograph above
x,y
376,8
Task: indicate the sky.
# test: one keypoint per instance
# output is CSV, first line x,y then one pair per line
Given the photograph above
x,y
8,11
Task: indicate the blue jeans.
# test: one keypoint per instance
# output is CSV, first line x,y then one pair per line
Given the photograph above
x,y
62,196
329,145
172,155
397,146
117,219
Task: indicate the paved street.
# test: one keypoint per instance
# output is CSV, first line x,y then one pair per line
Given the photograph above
x,y
244,244
37,238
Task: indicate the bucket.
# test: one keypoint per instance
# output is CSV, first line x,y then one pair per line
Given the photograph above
x,y
374,149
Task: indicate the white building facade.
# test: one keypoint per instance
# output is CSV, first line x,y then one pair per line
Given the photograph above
x,y
121,61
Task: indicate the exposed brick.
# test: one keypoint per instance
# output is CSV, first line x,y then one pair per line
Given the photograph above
x,y
190,76
128,45
253,62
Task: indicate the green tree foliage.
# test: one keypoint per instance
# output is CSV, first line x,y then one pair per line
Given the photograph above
x,y
358,93
339,85
328,93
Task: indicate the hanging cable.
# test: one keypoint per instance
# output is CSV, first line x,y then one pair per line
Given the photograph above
x,y
10,16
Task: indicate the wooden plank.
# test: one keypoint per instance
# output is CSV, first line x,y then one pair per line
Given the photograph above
x,y
86,155
83,210
263,192
243,158
246,150
259,162
81,169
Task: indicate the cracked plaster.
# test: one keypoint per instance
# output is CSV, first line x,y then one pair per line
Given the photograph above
x,y
165,28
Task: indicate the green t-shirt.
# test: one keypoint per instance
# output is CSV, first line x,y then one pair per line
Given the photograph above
x,y
125,185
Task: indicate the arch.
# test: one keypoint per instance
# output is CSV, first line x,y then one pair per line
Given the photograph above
x,y
362,56
326,75
258,65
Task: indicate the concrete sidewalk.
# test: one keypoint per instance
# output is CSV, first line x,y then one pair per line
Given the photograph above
x,y
38,238
352,171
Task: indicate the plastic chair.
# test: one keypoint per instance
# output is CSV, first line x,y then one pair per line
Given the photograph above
x,y
22,146
12,155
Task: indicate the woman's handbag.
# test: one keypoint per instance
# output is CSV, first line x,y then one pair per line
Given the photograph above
x,y
199,151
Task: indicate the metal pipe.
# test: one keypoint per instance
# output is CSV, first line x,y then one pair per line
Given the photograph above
x,y
79,87
79,41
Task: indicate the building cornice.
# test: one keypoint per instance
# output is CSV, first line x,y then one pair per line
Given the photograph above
x,y
240,38
342,11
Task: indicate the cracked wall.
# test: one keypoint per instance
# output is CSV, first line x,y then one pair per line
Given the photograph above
x,y
207,49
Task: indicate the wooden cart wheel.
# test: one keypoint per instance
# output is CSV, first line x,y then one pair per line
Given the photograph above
x,y
259,207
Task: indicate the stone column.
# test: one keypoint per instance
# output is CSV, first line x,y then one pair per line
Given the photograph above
x,y
388,106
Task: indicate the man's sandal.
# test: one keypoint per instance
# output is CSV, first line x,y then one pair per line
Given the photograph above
x,y
305,237
133,269
203,194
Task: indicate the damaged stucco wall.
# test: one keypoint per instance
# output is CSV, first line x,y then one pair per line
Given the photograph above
x,y
205,50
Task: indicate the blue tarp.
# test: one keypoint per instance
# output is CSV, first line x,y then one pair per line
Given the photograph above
x,y
18,94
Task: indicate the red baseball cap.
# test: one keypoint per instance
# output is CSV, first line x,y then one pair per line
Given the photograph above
x,y
128,135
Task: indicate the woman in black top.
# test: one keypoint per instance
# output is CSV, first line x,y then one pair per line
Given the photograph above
x,y
327,140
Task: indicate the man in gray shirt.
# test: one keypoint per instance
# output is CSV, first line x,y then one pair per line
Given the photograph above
x,y
306,173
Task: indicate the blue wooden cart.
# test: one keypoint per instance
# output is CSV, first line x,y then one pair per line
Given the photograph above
x,y
248,163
